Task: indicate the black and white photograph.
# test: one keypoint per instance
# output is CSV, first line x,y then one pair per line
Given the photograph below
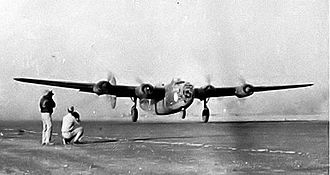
x,y
164,87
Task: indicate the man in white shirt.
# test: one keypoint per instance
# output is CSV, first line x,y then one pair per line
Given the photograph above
x,y
71,129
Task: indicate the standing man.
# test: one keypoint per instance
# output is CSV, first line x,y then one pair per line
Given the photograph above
x,y
46,108
71,129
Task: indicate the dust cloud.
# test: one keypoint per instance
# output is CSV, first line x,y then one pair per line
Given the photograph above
x,y
265,42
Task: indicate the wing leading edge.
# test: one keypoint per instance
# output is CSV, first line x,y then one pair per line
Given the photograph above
x,y
99,88
272,88
240,91
129,91
84,87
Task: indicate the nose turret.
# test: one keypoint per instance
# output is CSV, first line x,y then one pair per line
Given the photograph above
x,y
179,95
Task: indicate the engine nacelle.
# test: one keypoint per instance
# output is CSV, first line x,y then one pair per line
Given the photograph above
x,y
244,90
102,87
144,91
203,92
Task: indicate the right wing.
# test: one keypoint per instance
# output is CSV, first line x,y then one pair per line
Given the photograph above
x,y
104,88
84,87
99,88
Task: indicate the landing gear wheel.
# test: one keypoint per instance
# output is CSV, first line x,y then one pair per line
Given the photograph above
x,y
183,112
205,115
134,111
134,114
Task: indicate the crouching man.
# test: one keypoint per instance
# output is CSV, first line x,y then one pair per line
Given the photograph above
x,y
71,129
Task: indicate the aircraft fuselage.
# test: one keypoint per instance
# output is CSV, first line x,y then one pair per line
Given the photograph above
x,y
178,96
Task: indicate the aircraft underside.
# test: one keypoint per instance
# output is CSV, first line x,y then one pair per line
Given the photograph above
x,y
160,108
155,107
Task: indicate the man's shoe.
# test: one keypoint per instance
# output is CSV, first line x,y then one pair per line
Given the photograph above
x,y
65,141
77,142
50,143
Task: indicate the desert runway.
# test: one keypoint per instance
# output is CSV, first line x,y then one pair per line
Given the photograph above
x,y
183,147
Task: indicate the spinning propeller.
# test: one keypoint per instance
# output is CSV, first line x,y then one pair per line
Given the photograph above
x,y
112,80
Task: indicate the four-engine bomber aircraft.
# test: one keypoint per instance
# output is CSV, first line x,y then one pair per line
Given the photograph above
x,y
174,97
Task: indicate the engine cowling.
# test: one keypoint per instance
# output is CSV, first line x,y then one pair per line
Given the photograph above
x,y
102,87
202,93
144,91
244,90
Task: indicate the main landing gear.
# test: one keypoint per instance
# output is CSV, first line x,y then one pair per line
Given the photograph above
x,y
205,112
134,111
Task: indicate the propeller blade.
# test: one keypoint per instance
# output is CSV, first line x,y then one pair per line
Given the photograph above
x,y
208,79
241,79
139,80
112,100
110,75
241,101
111,78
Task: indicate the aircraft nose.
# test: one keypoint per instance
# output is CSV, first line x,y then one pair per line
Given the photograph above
x,y
187,93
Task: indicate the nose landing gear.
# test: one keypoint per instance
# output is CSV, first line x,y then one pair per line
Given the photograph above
x,y
205,112
183,114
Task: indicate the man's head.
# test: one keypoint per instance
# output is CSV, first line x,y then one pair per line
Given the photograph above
x,y
48,93
71,109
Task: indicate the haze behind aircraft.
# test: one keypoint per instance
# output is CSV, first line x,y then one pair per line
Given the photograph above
x,y
174,97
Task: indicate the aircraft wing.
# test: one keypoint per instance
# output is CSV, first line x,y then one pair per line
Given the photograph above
x,y
240,91
272,88
85,87
104,88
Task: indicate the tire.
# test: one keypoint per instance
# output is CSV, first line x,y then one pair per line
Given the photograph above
x,y
134,114
205,115
184,113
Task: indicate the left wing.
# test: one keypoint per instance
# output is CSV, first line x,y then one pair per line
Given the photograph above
x,y
239,91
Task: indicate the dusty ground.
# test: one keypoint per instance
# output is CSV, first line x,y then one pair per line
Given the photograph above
x,y
170,148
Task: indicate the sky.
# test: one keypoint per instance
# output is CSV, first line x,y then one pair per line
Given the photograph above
x,y
266,42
